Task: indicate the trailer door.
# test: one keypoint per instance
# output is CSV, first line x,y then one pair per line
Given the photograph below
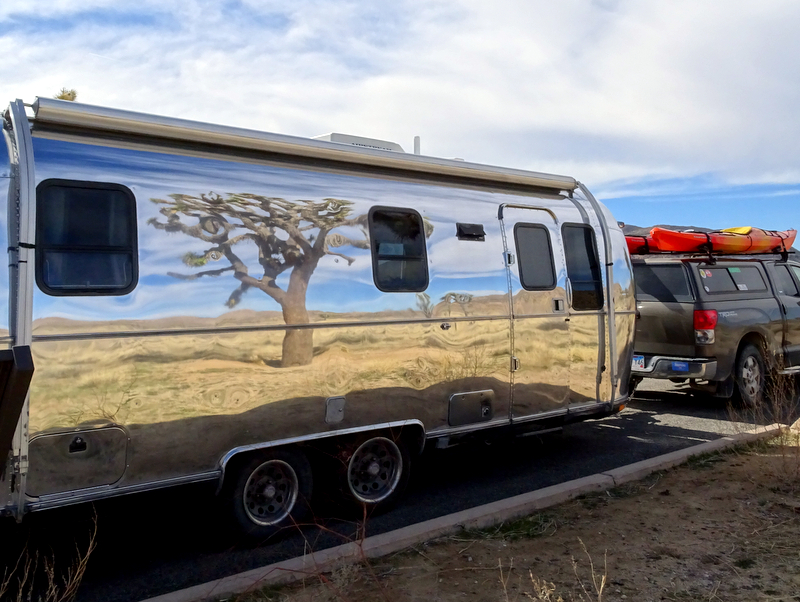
x,y
541,354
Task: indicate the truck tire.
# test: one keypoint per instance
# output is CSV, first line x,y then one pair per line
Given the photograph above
x,y
269,491
750,376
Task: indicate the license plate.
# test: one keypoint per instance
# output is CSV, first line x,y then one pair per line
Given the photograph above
x,y
638,362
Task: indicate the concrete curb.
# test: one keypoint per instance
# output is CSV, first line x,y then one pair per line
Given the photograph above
x,y
478,517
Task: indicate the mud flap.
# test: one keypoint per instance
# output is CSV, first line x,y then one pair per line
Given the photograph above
x,y
16,370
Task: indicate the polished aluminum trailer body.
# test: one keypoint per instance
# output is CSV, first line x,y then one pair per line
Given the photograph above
x,y
282,337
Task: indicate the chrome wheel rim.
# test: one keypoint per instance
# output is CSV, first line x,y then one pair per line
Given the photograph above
x,y
270,493
374,470
751,378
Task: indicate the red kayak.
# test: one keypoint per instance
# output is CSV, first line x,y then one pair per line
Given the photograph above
x,y
641,244
732,240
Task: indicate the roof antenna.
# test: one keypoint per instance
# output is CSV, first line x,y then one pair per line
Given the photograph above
x,y
416,145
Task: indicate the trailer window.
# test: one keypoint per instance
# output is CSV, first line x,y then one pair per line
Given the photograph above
x,y
583,267
85,238
399,260
536,270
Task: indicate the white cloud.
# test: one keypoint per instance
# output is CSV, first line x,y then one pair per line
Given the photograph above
x,y
600,90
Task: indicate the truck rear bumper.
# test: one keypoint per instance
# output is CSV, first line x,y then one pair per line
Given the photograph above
x,y
677,367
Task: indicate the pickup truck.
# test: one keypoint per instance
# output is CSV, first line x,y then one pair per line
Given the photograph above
x,y
725,324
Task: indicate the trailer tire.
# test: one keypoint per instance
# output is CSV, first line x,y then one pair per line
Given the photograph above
x,y
268,492
376,472
751,376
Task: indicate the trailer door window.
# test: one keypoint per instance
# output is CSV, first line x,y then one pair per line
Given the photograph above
x,y
536,270
85,238
583,267
399,261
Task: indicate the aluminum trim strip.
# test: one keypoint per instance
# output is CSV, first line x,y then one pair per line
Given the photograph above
x,y
467,428
540,416
22,236
566,314
58,500
235,329
51,111
316,437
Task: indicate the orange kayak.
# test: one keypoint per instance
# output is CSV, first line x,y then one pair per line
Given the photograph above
x,y
733,240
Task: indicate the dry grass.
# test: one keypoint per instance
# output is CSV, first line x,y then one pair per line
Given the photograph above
x,y
41,577
721,528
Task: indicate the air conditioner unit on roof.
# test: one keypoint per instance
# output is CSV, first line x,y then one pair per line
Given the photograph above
x,y
361,141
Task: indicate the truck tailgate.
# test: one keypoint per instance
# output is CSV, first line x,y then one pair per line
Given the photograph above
x,y
665,329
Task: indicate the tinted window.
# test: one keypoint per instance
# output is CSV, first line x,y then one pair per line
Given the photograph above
x,y
399,262
796,271
583,267
85,238
716,280
536,270
748,278
783,281
666,283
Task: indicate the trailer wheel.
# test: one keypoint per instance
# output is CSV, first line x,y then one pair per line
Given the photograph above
x,y
750,376
378,472
270,491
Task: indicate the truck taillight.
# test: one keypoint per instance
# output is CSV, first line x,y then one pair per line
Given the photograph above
x,y
705,321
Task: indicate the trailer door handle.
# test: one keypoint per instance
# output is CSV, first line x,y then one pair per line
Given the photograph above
x,y
569,291
78,445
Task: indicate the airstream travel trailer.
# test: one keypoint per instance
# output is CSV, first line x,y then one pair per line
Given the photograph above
x,y
190,302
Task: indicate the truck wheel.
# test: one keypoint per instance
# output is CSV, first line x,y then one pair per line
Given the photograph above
x,y
377,472
269,491
750,376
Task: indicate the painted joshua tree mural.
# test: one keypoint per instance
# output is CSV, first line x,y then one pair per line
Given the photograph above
x,y
290,235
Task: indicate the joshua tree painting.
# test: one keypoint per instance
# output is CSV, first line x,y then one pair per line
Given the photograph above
x,y
290,235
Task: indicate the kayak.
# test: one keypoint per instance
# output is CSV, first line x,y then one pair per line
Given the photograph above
x,y
731,240
641,244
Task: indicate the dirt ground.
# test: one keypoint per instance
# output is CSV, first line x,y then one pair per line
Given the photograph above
x,y
724,527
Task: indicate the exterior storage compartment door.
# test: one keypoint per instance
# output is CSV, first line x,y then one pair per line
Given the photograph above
x,y
76,460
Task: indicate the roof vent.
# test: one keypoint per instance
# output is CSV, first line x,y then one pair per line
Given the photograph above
x,y
362,142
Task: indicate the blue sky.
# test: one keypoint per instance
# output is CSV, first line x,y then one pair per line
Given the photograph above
x,y
670,112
